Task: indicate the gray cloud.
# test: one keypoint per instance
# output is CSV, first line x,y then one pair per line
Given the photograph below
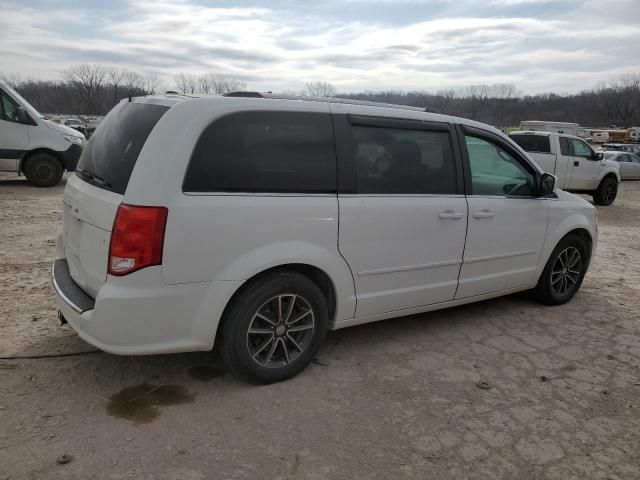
x,y
429,44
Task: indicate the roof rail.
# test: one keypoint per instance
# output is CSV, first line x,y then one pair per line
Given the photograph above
x,y
347,101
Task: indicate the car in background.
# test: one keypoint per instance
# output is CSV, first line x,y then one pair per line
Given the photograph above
x,y
629,164
76,124
577,167
622,147
40,149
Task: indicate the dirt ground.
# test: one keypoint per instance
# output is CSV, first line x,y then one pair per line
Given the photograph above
x,y
390,400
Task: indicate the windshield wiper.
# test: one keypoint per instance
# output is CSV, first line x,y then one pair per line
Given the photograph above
x,y
93,178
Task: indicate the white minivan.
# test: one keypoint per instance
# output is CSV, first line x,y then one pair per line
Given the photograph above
x,y
30,145
259,221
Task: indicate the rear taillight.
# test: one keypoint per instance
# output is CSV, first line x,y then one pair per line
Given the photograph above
x,y
137,238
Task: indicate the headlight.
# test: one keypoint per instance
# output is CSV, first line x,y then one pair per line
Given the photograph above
x,y
73,139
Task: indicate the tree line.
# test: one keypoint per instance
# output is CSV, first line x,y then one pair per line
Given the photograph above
x,y
609,103
95,89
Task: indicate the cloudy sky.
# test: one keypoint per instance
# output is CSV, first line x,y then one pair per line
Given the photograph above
x,y
538,45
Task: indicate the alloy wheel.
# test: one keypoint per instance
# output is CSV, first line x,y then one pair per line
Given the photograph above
x,y
610,192
280,330
566,271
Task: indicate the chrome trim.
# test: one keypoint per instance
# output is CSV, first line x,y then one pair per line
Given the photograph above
x,y
59,292
257,194
380,271
497,257
401,195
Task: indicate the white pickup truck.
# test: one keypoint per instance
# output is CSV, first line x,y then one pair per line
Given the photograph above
x,y
576,165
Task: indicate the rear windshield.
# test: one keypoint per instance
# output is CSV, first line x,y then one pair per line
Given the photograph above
x,y
110,154
533,143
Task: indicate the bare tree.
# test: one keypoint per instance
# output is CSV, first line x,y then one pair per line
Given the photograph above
x,y
88,80
115,76
151,83
621,98
186,83
319,89
12,79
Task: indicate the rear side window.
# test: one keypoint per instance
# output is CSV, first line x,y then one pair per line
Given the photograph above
x,y
111,153
289,152
565,148
400,161
533,143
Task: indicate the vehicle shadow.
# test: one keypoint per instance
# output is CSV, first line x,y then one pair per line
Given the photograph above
x,y
340,344
15,181
351,351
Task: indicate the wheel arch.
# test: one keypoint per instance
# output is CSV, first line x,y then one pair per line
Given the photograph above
x,y
581,231
610,174
313,273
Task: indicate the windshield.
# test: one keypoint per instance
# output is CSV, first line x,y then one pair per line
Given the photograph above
x,y
112,151
20,99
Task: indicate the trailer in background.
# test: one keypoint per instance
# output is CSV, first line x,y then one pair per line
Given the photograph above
x,y
599,136
553,127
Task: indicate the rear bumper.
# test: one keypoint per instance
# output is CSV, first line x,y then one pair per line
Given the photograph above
x,y
64,286
140,315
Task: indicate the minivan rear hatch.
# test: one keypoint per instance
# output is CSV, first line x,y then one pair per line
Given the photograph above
x,y
93,194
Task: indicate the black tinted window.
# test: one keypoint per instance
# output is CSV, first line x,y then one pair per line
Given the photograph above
x,y
109,156
392,160
533,143
565,149
265,152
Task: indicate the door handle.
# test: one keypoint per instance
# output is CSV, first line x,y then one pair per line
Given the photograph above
x,y
576,163
484,214
450,215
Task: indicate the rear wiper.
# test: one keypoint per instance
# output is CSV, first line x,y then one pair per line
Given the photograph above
x,y
93,178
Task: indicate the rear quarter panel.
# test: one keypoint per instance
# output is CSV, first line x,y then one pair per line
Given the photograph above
x,y
232,237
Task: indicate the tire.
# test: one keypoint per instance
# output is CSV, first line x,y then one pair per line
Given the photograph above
x,y
557,274
43,170
292,338
606,192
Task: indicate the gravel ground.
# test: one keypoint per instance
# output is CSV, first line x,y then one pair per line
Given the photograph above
x,y
395,399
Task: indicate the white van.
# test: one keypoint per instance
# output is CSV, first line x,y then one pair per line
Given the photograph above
x,y
258,222
40,149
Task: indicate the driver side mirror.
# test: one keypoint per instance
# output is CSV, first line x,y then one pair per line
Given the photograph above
x,y
598,156
547,185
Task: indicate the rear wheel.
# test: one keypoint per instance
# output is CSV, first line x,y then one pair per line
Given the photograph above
x,y
43,170
606,192
564,272
274,328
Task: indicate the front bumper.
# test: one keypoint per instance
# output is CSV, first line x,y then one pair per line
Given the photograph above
x,y
140,315
71,156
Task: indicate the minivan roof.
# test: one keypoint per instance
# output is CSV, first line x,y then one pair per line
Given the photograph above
x,y
277,96
348,106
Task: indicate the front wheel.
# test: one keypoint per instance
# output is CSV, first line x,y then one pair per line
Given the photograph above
x,y
606,192
274,328
43,170
564,272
